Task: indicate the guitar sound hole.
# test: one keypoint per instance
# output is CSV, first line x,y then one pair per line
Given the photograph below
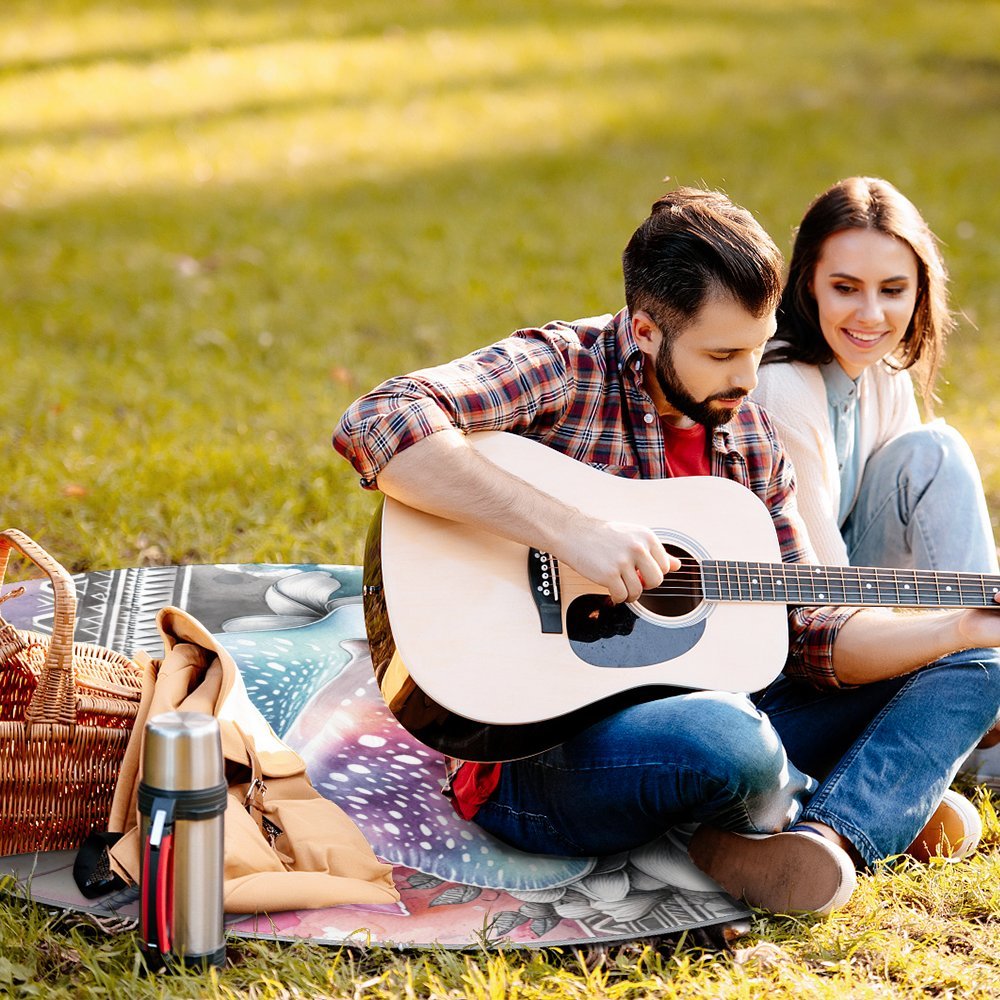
x,y
680,593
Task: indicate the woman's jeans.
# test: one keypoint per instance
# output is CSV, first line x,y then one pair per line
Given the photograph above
x,y
872,761
921,506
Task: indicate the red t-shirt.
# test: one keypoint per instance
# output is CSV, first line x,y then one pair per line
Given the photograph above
x,y
686,455
686,450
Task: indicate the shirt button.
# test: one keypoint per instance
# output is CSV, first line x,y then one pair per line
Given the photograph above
x,y
648,418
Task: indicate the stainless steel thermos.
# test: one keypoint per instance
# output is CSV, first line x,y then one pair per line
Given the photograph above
x,y
182,801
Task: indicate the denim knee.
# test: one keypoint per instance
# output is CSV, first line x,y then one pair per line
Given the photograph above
x,y
923,454
974,676
747,752
761,791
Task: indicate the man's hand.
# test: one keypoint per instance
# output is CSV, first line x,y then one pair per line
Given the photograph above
x,y
624,558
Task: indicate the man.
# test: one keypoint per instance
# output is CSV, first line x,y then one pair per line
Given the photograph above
x,y
660,390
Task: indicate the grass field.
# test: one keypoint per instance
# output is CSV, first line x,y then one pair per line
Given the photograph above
x,y
221,221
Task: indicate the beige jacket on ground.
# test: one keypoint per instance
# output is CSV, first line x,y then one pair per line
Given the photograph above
x,y
320,858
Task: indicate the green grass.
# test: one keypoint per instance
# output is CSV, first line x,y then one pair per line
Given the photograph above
x,y
221,221
912,932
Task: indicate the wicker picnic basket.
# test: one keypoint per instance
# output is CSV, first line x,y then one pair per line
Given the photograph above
x,y
66,711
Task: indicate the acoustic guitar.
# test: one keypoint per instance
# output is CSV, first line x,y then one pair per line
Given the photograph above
x,y
489,650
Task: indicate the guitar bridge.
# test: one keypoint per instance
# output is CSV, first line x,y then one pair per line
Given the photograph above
x,y
543,577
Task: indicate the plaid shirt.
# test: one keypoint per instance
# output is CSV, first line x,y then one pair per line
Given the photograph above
x,y
577,387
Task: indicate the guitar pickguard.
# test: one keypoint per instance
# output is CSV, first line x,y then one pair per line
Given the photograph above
x,y
613,635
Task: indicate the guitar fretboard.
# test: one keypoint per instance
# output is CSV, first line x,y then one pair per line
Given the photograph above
x,y
792,583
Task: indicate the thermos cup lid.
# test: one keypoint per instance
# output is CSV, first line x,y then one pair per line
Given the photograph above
x,y
182,752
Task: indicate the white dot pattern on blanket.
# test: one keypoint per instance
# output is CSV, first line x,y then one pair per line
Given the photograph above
x,y
326,704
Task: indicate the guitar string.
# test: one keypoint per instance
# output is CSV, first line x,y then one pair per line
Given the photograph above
x,y
688,581
809,571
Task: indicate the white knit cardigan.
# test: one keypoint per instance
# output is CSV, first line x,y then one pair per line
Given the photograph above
x,y
794,395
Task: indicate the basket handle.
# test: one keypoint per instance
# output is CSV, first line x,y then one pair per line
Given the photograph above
x,y
54,700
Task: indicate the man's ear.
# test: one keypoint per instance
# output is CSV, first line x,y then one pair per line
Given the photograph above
x,y
646,333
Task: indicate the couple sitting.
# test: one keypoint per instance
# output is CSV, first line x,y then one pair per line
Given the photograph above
x,y
847,758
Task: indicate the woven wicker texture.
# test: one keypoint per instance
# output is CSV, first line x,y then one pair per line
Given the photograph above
x,y
66,711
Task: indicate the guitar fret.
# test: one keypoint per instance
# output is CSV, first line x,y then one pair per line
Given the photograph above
x,y
867,586
734,575
762,574
710,582
968,588
949,589
771,595
991,587
728,591
705,570
799,597
909,593
779,583
829,593
743,575
851,584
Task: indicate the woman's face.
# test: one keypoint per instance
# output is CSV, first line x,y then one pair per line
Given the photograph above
x,y
865,285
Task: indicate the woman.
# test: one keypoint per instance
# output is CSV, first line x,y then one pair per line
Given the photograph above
x,y
865,304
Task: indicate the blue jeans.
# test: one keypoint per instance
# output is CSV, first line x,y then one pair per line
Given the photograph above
x,y
921,506
884,753
697,756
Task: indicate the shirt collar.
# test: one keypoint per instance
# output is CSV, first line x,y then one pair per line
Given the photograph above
x,y
722,440
840,387
630,357
632,360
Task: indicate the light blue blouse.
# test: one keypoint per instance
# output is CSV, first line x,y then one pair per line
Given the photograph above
x,y
842,401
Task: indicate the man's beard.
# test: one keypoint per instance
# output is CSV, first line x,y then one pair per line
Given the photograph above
x,y
680,399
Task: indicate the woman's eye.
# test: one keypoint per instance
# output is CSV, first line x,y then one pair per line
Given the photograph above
x,y
843,289
895,292
721,357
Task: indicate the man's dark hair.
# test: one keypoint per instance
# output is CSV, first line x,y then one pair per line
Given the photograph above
x,y
694,244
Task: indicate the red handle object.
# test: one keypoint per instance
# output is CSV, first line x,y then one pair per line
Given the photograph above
x,y
157,890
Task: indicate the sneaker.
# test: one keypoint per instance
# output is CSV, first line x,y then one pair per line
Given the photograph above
x,y
789,872
953,831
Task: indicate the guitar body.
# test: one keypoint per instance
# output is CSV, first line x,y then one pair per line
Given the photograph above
x,y
475,663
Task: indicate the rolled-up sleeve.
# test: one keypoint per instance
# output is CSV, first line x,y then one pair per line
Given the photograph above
x,y
517,383
812,632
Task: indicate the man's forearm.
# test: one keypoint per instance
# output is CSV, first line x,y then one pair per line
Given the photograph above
x,y
878,643
444,475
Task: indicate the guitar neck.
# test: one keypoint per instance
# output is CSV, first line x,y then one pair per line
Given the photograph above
x,y
801,583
